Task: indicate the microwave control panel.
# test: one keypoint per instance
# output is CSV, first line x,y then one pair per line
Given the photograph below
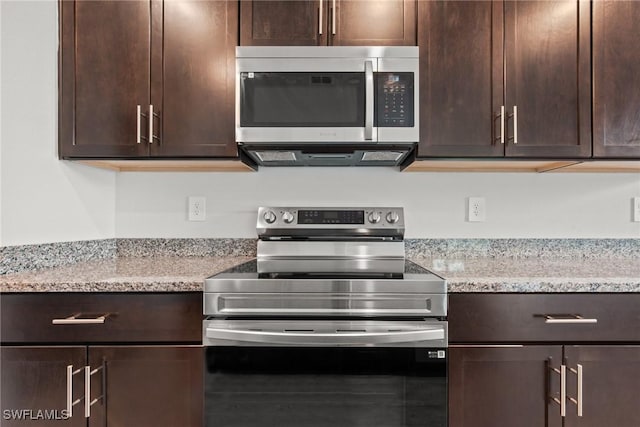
x,y
394,100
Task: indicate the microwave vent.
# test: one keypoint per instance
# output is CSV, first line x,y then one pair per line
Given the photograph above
x,y
276,156
382,156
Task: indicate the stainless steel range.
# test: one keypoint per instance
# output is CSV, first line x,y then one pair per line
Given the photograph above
x,y
329,318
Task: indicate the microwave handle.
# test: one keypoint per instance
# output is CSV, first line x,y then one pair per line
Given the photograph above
x,y
368,108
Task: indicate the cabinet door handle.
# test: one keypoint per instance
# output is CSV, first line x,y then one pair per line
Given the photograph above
x,y
502,124
75,319
515,124
138,124
320,17
88,403
578,400
563,389
567,318
152,115
70,402
333,18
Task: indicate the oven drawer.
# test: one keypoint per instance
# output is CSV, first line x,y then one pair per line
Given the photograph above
x,y
544,317
101,317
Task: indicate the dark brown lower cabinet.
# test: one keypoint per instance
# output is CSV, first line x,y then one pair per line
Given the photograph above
x,y
33,386
507,386
141,386
610,385
147,386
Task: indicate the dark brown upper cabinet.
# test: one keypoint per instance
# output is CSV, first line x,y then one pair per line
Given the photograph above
x,y
616,79
505,78
327,22
147,78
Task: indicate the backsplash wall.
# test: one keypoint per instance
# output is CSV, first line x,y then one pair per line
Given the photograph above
x,y
519,205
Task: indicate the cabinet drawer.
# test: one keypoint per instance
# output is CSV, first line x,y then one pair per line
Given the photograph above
x,y
514,318
128,317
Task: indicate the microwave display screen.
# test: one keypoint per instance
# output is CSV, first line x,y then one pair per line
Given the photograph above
x,y
280,99
394,100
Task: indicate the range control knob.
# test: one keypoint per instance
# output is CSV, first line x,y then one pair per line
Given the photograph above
x,y
374,217
269,217
287,217
392,217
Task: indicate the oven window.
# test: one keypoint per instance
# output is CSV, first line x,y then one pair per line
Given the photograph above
x,y
325,387
302,99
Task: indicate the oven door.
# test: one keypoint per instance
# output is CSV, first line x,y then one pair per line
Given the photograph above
x,y
345,378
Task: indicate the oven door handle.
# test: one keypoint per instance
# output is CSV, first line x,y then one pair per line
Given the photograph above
x,y
301,338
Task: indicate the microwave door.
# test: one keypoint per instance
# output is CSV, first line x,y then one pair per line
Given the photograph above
x,y
306,106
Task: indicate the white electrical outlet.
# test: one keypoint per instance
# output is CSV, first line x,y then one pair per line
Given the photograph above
x,y
636,209
476,209
197,208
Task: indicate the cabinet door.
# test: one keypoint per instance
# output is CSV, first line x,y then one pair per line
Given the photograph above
x,y
547,46
610,386
508,386
104,75
616,73
33,383
193,78
461,78
147,386
372,23
283,23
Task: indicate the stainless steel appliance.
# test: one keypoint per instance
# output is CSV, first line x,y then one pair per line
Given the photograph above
x,y
327,105
329,326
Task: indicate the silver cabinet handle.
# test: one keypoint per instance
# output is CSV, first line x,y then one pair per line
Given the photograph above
x,y
320,17
578,401
502,124
150,124
70,402
368,108
333,19
75,320
88,372
515,124
325,339
563,390
138,124
570,318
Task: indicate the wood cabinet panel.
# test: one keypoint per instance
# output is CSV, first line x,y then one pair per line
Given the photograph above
x,y
149,386
170,317
104,75
547,47
616,74
516,318
503,386
461,78
611,385
283,23
194,92
373,23
35,378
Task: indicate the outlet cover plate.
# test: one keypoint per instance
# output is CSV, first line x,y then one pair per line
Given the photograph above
x,y
197,208
476,209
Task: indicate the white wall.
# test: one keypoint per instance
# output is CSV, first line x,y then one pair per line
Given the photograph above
x,y
42,199
518,204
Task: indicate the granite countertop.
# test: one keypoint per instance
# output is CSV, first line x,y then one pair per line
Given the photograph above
x,y
176,273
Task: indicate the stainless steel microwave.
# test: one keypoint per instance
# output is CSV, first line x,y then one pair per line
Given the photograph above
x,y
327,105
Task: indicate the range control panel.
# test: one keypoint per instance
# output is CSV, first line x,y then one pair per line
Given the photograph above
x,y
316,221
394,100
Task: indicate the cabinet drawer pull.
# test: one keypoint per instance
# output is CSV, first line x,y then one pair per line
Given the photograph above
x,y
567,318
75,319
88,372
578,400
70,402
